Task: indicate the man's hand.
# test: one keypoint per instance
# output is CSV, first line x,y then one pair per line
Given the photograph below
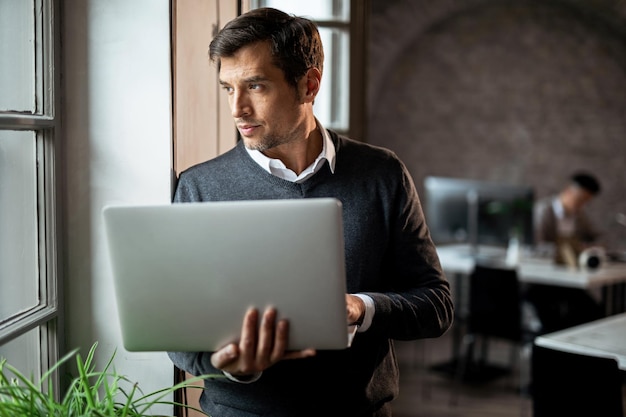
x,y
259,347
355,308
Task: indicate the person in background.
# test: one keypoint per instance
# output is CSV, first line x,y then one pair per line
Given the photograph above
x,y
563,227
270,66
563,216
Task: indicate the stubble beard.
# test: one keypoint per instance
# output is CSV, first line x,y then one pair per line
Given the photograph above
x,y
265,142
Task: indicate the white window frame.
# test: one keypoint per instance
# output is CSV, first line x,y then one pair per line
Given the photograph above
x,y
44,123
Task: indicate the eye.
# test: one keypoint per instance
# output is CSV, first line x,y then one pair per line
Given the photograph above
x,y
255,86
227,88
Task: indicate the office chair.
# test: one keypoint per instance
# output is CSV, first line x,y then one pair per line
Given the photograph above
x,y
569,384
494,312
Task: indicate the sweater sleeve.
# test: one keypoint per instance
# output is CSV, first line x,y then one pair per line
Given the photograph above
x,y
419,303
389,252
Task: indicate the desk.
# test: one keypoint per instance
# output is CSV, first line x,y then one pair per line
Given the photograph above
x,y
459,260
603,338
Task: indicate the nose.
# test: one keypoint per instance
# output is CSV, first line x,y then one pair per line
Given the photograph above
x,y
239,104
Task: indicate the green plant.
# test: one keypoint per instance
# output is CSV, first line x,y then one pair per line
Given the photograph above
x,y
92,393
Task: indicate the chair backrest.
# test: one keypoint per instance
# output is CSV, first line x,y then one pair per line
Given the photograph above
x,y
495,303
569,384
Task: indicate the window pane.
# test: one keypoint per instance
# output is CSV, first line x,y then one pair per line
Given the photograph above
x,y
332,102
19,272
23,353
17,49
338,10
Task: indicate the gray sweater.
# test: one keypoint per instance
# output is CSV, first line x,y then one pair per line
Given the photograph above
x,y
389,256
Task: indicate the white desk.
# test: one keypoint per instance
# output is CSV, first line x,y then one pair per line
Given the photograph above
x,y
458,259
603,338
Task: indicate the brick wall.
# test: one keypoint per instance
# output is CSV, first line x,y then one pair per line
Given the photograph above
x,y
523,92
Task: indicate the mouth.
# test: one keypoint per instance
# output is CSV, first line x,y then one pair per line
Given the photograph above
x,y
247,129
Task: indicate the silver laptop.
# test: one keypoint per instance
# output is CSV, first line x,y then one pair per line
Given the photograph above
x,y
184,274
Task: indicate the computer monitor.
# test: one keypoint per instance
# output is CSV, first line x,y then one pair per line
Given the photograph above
x,y
461,210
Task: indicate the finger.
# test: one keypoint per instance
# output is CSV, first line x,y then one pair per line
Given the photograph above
x,y
281,340
299,354
225,356
248,340
266,338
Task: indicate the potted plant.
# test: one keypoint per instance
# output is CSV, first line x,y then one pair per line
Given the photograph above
x,y
91,393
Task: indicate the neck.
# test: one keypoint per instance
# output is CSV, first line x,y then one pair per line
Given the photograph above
x,y
298,155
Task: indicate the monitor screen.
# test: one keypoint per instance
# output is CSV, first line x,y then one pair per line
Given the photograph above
x,y
460,210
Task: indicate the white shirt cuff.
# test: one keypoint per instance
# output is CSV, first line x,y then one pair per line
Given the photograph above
x,y
369,312
248,379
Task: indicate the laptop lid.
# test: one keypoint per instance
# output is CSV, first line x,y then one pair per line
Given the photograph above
x,y
185,274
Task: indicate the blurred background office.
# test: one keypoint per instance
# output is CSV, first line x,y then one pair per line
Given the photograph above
x,y
520,92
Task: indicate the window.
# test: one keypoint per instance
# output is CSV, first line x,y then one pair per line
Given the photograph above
x,y
333,19
29,162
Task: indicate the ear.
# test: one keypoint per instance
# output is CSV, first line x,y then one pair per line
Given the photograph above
x,y
312,80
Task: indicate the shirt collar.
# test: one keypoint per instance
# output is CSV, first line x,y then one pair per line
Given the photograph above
x,y
557,206
328,153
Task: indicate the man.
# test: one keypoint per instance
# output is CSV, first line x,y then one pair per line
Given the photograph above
x,y
270,65
563,216
562,226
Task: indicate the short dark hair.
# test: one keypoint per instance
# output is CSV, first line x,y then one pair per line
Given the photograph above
x,y
295,42
586,181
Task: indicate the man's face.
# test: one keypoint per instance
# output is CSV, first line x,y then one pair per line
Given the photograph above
x,y
267,110
576,198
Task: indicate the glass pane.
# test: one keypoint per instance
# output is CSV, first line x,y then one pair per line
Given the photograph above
x,y
17,49
337,10
332,102
23,354
19,271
